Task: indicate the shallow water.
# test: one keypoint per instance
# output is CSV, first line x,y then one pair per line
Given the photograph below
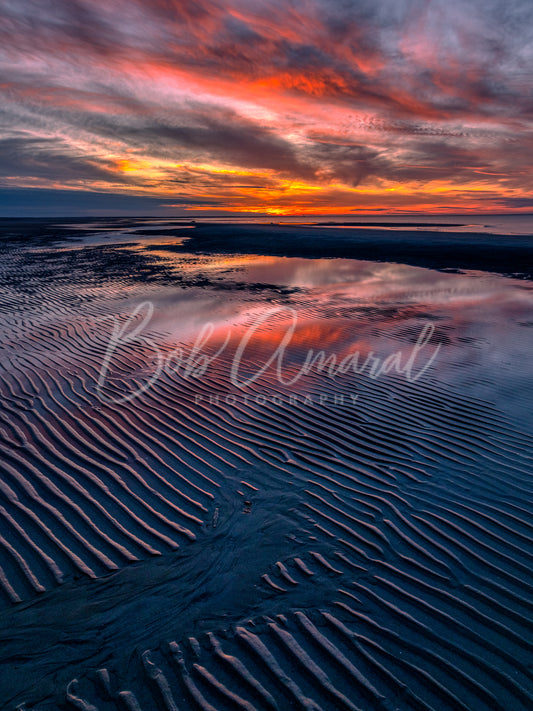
x,y
354,533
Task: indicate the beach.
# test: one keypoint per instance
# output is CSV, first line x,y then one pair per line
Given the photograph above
x,y
265,466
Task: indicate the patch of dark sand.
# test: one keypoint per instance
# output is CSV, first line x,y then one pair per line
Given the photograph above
x,y
510,255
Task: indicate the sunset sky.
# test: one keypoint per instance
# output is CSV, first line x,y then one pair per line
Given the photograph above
x,y
190,107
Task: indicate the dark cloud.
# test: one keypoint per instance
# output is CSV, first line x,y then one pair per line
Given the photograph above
x,y
25,157
346,163
204,133
514,202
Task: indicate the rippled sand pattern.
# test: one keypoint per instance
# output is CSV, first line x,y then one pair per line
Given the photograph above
x,y
368,551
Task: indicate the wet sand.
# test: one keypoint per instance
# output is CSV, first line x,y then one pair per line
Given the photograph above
x,y
501,253
341,541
